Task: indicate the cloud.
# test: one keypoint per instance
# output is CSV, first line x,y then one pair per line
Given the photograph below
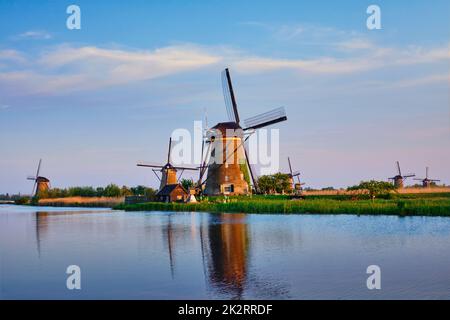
x,y
11,55
426,80
375,58
355,44
66,68
304,34
34,35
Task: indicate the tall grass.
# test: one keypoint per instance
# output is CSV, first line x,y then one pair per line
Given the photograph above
x,y
423,207
107,202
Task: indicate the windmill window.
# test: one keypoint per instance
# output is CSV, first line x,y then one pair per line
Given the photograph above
x,y
226,178
228,188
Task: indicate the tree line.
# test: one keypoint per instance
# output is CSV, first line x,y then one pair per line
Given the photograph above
x,y
111,190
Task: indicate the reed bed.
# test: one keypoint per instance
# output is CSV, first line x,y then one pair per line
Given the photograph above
x,y
105,202
407,190
407,207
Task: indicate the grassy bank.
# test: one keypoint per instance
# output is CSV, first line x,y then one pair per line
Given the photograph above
x,y
404,207
101,202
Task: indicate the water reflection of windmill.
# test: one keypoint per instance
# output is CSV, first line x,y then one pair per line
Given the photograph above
x,y
427,182
41,222
399,178
227,253
168,171
227,140
169,235
41,184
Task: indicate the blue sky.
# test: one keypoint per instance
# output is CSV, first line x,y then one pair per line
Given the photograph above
x,y
93,102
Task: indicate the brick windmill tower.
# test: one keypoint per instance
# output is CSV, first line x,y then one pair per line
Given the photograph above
x,y
399,178
226,160
41,184
427,182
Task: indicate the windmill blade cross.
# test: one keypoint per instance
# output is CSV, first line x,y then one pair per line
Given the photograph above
x,y
230,99
39,168
170,150
149,165
290,167
252,176
266,119
398,168
34,186
185,168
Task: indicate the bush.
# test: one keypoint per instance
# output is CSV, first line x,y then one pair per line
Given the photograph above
x,y
22,200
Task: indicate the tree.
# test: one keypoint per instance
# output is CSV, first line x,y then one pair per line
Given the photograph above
x,y
275,183
374,188
100,191
187,183
125,191
112,190
282,183
150,193
139,190
266,184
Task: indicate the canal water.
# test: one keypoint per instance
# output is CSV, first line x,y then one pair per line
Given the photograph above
x,y
167,255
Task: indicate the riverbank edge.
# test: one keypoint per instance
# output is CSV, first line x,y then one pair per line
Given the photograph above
x,y
389,207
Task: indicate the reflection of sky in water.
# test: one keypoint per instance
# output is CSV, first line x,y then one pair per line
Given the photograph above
x,y
160,255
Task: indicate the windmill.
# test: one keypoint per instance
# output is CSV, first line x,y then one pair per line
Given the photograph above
x,y
168,171
233,173
426,182
295,186
41,184
398,179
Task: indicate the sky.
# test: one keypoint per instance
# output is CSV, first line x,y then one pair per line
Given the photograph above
x,y
93,102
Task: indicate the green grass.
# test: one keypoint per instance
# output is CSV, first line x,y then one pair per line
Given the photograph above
x,y
403,207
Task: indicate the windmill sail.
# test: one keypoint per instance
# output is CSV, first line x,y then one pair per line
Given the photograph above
x,y
39,168
35,178
252,176
290,167
295,173
266,119
230,99
398,168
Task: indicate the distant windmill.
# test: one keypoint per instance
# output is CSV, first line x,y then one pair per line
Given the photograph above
x,y
399,178
41,184
229,175
168,171
426,182
292,175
